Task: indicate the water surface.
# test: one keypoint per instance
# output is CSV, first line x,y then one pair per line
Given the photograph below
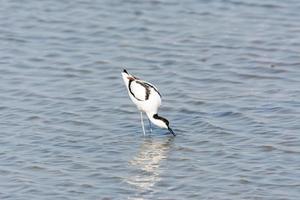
x,y
228,72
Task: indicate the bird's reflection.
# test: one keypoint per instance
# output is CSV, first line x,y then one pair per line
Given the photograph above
x,y
148,161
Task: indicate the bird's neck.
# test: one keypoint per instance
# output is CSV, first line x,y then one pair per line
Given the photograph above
x,y
150,115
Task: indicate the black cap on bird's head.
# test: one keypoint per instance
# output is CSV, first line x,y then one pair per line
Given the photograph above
x,y
165,123
125,71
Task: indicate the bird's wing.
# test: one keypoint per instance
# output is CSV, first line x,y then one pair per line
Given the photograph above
x,y
139,90
151,86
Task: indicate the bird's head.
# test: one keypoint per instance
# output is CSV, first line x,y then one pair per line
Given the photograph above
x,y
162,123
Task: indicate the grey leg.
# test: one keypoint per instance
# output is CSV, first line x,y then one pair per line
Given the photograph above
x,y
150,125
142,123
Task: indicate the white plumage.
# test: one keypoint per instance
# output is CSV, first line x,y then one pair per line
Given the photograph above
x,y
147,99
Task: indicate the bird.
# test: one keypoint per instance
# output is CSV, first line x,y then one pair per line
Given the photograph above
x,y
147,99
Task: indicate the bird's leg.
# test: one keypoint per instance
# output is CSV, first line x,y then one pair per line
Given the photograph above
x,y
150,125
142,123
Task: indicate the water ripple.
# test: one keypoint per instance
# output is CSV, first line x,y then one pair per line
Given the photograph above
x,y
228,72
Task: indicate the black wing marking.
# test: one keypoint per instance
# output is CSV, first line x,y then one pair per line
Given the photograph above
x,y
147,89
129,87
141,95
148,86
139,90
145,85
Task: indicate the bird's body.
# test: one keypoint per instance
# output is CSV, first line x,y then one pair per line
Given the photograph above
x,y
147,99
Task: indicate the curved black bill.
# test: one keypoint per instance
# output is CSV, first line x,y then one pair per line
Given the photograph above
x,y
171,131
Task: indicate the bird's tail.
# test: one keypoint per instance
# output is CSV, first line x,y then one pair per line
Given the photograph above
x,y
126,77
125,71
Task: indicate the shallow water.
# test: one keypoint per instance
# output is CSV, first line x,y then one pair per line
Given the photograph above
x,y
229,74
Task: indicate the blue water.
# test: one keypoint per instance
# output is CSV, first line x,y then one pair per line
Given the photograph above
x,y
228,72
